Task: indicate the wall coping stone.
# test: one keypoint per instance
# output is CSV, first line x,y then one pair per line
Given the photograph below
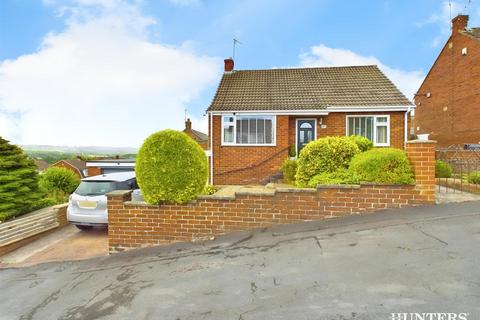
x,y
60,206
421,141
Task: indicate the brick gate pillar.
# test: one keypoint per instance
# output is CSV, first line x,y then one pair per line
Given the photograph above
x,y
421,154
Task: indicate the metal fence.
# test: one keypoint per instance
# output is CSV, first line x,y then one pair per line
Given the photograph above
x,y
465,162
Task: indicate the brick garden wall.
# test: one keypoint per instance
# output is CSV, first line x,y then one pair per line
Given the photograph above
x,y
133,225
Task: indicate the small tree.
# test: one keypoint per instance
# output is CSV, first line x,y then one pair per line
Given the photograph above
x,y
172,167
58,183
19,190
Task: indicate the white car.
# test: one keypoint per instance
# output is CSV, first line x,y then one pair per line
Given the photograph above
x,y
87,206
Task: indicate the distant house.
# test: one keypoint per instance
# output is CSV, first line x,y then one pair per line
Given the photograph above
x,y
42,165
104,166
256,116
198,136
78,166
448,101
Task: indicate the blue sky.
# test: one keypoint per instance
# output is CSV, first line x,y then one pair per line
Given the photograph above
x,y
110,72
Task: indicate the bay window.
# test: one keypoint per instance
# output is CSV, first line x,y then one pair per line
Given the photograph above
x,y
375,128
248,130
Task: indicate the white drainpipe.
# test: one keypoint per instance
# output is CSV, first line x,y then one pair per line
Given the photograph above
x,y
211,147
405,129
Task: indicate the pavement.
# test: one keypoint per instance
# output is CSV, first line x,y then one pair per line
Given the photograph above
x,y
422,259
67,243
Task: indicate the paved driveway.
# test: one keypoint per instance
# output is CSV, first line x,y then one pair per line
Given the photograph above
x,y
67,243
424,259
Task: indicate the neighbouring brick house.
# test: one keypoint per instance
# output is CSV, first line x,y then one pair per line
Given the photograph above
x,y
198,136
109,165
448,101
41,165
78,166
256,116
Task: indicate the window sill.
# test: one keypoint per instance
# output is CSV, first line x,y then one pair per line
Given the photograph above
x,y
247,145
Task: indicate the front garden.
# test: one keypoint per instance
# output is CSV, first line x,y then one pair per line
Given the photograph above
x,y
347,160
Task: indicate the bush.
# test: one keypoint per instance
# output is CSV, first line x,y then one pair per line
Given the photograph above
x,y
474,177
170,166
325,155
382,165
209,190
341,176
58,183
19,190
289,169
364,144
292,151
442,169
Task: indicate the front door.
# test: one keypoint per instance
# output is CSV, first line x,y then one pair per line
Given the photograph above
x,y
305,133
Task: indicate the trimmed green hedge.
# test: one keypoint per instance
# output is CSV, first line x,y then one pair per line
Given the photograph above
x,y
341,176
443,169
171,167
474,177
325,155
289,169
58,183
382,165
364,144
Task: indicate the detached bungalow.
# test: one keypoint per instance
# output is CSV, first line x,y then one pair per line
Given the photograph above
x,y
256,116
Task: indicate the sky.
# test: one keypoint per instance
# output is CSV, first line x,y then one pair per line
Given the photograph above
x,y
112,72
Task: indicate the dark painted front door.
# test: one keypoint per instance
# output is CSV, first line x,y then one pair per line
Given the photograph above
x,y
305,133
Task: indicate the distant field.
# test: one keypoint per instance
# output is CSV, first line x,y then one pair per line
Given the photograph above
x,y
54,156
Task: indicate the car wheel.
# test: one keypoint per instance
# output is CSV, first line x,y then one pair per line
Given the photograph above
x,y
83,227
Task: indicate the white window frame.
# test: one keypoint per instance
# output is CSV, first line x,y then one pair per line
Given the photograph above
x,y
236,116
375,125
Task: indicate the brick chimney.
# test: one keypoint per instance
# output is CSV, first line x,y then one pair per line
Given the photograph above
x,y
188,125
228,65
459,23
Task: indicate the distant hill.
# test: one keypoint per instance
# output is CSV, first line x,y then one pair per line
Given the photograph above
x,y
82,150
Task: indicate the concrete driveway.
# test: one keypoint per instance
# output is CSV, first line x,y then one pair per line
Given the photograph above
x,y
424,259
67,243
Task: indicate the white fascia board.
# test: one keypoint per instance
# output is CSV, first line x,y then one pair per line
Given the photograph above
x,y
110,164
368,108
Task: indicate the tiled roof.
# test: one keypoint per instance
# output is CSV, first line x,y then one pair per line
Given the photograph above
x,y
199,136
474,32
77,163
306,89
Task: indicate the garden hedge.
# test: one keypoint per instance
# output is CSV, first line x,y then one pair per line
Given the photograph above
x,y
474,177
442,169
19,190
382,165
289,169
171,167
364,144
325,155
58,183
341,176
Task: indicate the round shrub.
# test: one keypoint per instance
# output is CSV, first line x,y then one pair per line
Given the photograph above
x,y
442,169
364,144
341,176
171,167
289,169
382,165
474,177
324,155
58,183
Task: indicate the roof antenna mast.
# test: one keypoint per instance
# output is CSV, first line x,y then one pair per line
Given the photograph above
x,y
235,41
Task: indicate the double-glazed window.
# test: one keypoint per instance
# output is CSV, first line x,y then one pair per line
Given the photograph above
x,y
248,130
375,128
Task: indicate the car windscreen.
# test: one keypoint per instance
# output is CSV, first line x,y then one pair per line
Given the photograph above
x,y
95,188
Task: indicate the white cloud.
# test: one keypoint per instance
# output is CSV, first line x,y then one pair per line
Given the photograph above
x,y
322,56
185,3
101,81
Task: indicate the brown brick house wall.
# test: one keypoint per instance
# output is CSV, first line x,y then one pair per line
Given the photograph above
x,y
451,114
133,225
253,165
66,165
